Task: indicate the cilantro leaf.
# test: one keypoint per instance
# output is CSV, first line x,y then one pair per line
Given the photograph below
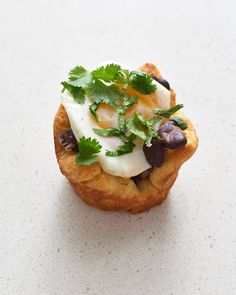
x,y
123,149
134,129
128,102
77,72
119,132
149,131
123,78
93,108
138,119
142,82
107,73
143,129
110,94
169,112
131,137
121,121
86,161
87,148
182,125
79,77
83,82
108,132
77,93
151,134
127,139
153,120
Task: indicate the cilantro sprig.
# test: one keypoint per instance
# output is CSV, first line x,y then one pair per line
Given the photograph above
x,y
108,73
100,85
88,148
134,128
98,91
121,133
79,77
142,82
77,92
143,128
168,114
97,85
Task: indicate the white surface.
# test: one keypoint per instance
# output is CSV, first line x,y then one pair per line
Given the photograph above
x,y
51,242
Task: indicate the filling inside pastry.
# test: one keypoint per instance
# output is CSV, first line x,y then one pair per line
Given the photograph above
x,y
120,118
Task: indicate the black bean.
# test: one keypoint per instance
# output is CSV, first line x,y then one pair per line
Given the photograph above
x,y
142,175
155,154
68,140
171,135
162,81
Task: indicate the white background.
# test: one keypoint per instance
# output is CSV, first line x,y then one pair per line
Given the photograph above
x,y
50,241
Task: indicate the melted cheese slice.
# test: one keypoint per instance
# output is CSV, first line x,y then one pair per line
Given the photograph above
x,y
82,124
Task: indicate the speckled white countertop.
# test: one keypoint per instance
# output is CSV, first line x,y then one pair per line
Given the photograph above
x,y
50,241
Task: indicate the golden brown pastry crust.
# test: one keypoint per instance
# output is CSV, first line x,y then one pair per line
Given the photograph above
x,y
112,193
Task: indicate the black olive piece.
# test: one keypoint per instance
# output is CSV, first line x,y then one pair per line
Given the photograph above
x,y
68,140
171,135
142,175
162,81
155,154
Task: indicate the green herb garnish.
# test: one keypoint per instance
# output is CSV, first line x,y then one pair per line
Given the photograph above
x,y
93,109
142,128
88,147
142,82
127,138
127,102
123,149
108,132
107,73
169,112
182,125
135,129
100,85
123,78
98,91
79,77
122,122
77,92
153,120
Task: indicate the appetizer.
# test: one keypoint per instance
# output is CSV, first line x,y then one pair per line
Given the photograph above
x,y
120,138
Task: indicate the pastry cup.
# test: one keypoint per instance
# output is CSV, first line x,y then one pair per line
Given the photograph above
x,y
112,193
